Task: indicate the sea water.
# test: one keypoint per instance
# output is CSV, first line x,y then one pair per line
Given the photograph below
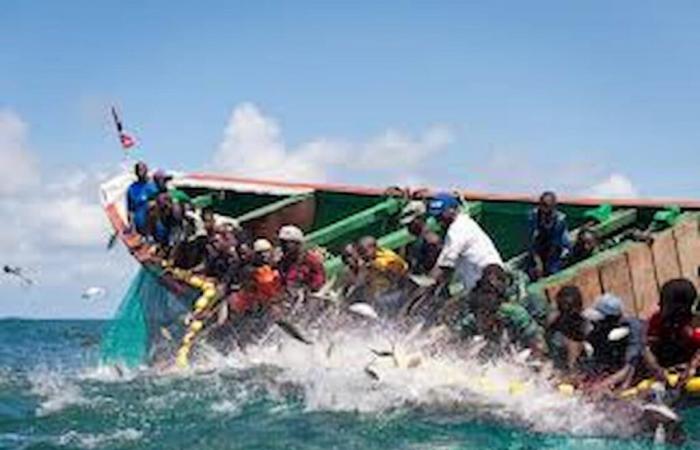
x,y
337,393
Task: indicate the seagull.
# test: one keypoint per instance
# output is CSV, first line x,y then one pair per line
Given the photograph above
x,y
19,273
93,292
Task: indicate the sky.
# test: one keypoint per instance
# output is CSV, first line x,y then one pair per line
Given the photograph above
x,y
589,98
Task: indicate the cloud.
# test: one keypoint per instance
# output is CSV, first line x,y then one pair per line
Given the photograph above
x,y
18,166
53,226
395,148
614,186
512,171
253,146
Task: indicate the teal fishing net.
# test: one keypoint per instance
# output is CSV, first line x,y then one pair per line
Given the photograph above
x,y
148,323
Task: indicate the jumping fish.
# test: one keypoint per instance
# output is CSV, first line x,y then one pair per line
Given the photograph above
x,y
371,373
292,331
364,310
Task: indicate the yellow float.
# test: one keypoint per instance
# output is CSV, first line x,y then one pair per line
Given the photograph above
x,y
204,301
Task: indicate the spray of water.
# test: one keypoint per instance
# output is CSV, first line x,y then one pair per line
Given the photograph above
x,y
373,368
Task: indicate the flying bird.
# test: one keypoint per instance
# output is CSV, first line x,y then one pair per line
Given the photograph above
x,y
93,293
17,272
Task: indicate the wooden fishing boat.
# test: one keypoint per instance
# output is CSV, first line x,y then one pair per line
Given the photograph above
x,y
333,215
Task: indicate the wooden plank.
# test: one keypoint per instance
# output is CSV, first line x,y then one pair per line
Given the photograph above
x,y
687,235
643,276
615,278
665,257
588,280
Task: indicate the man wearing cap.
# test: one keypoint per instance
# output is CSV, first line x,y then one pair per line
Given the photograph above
x,y
467,248
299,268
422,253
617,341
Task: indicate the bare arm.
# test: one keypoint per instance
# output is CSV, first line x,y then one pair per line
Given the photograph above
x,y
621,377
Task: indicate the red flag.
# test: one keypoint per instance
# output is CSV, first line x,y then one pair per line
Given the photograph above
x,y
127,141
124,139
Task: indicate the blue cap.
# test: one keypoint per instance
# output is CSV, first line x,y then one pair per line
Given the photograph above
x,y
607,305
441,203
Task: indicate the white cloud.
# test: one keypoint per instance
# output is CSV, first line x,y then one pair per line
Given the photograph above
x,y
511,171
53,226
614,186
395,148
18,166
253,146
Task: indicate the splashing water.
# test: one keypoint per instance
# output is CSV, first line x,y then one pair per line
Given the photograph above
x,y
379,370
283,394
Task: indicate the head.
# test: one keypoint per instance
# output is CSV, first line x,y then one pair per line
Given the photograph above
x,y
485,309
141,171
209,220
608,308
417,226
444,207
263,251
569,300
291,240
160,178
367,247
413,216
164,203
677,299
246,253
587,241
350,256
547,205
494,279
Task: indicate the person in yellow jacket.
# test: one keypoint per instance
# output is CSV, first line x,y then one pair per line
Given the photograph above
x,y
385,273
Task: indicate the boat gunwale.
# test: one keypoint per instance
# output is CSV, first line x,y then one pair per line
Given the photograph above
x,y
640,202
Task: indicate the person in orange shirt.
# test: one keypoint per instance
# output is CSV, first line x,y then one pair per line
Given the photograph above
x,y
261,284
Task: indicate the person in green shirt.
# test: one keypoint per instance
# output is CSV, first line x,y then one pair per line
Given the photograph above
x,y
491,314
162,182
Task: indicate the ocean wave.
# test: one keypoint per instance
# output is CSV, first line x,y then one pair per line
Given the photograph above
x,y
56,392
91,441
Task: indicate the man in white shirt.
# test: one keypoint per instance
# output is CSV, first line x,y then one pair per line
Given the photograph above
x,y
467,248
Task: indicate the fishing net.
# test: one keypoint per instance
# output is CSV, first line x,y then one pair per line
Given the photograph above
x,y
148,323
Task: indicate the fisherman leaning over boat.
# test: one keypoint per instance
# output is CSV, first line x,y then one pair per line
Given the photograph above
x,y
467,249
617,346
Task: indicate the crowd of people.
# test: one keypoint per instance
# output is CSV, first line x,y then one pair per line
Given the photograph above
x,y
451,274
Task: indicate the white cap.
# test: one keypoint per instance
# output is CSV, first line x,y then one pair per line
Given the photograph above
x,y
262,245
291,233
414,209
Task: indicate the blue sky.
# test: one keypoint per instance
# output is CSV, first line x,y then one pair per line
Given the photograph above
x,y
587,97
